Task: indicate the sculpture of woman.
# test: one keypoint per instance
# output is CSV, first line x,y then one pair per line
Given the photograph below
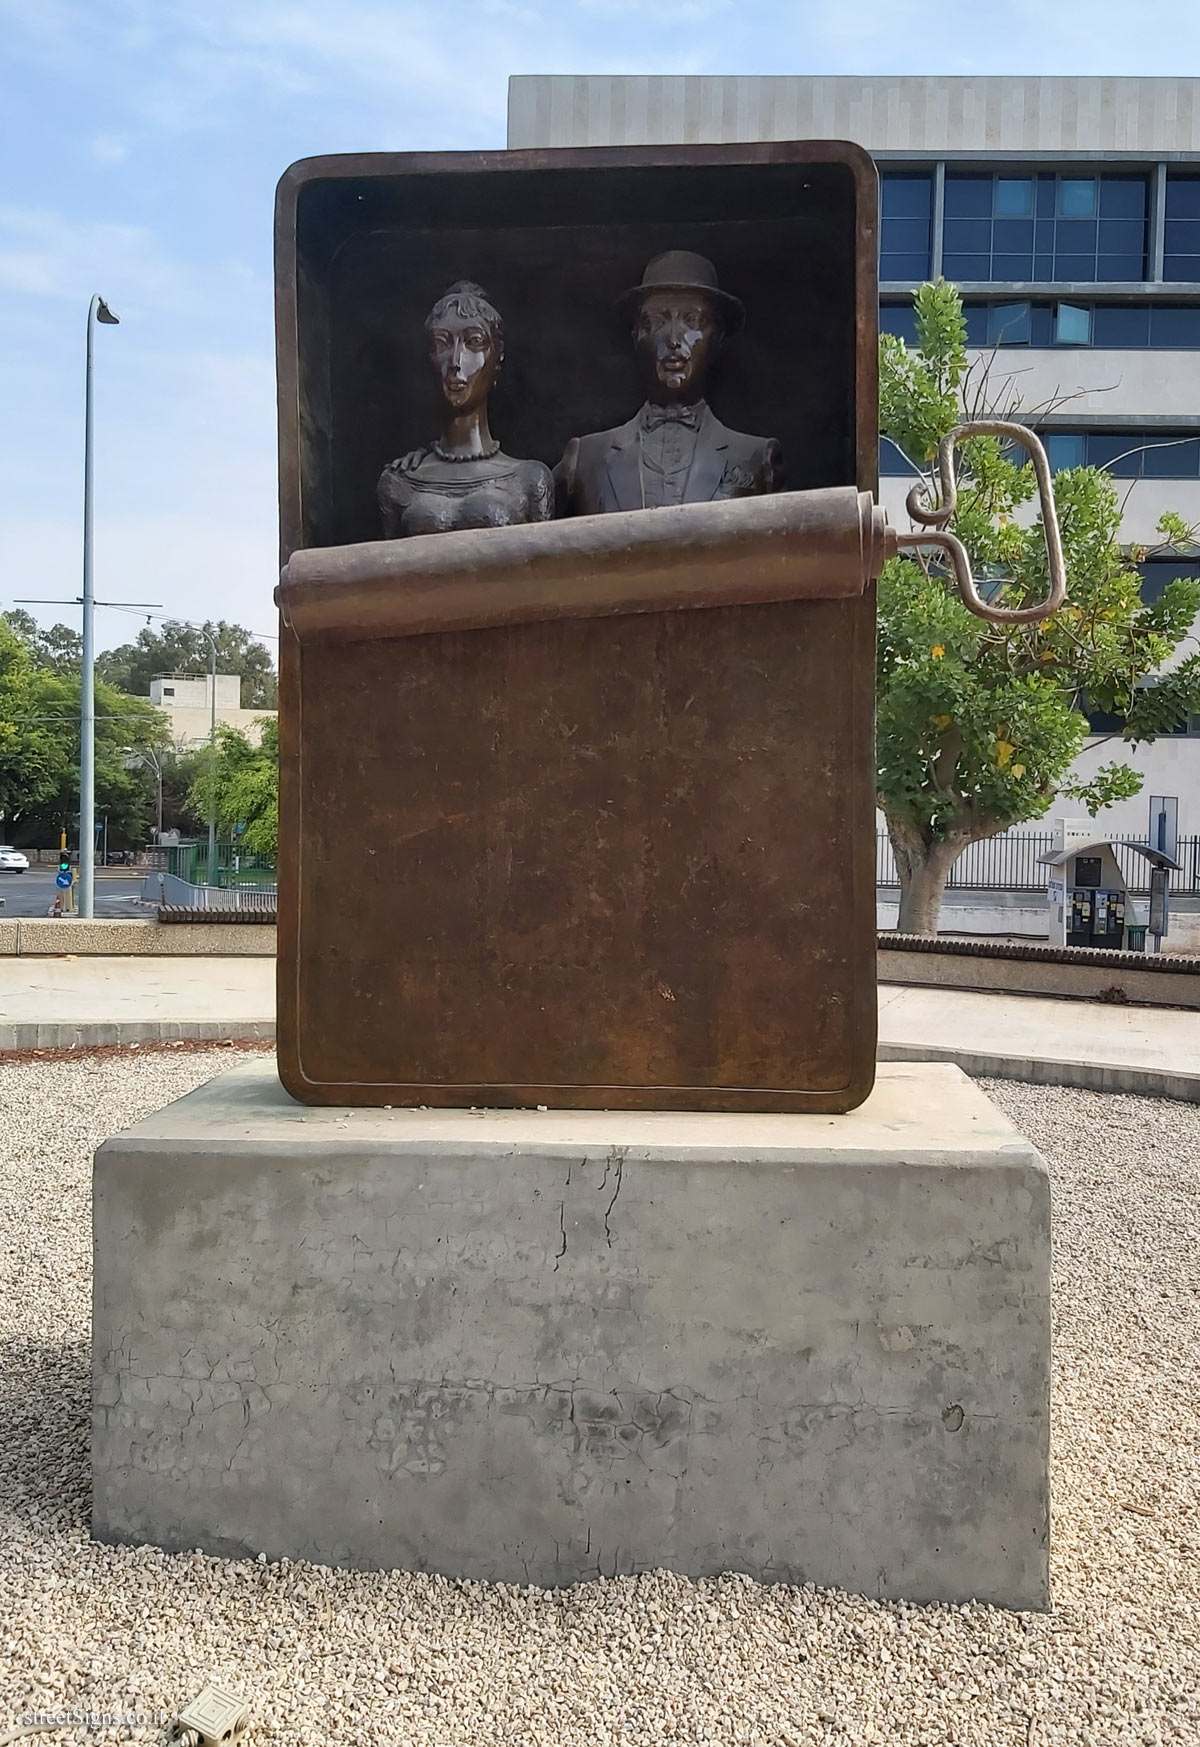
x,y
463,479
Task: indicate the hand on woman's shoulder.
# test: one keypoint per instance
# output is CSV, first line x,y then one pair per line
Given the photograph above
x,y
539,490
410,462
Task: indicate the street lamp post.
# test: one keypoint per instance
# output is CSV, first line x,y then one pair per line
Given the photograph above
x,y
98,310
149,757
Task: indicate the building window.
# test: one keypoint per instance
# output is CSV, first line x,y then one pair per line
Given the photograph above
x,y
1045,228
1106,326
906,231
1156,573
168,691
1121,325
1077,197
1181,231
1175,326
899,319
1160,454
893,462
1065,449
1073,325
1009,324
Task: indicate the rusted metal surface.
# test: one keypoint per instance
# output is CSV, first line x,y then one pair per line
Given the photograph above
x,y
812,545
579,849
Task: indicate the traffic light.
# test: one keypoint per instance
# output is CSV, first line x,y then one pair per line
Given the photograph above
x,y
64,861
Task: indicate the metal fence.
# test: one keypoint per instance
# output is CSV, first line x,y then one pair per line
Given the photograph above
x,y
168,888
1010,863
234,868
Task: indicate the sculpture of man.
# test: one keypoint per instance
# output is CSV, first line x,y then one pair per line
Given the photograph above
x,y
674,450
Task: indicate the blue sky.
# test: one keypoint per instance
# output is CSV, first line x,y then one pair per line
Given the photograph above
x,y
141,141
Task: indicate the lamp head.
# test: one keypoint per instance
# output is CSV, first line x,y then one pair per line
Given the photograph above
x,y
105,315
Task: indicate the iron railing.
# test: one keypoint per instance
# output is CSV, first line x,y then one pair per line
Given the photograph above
x,y
233,867
167,888
1010,863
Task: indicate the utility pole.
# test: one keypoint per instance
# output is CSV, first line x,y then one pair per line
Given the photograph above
x,y
212,766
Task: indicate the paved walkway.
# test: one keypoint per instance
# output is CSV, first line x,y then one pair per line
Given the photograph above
x,y
1042,1038
57,1003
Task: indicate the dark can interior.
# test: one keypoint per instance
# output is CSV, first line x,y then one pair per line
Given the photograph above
x,y
554,247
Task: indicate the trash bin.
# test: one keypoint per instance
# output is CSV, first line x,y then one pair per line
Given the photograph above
x,y
1137,938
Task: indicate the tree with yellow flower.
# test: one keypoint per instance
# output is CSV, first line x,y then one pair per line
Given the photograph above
x,y
978,724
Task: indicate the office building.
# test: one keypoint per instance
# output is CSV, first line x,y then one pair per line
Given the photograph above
x,y
1066,210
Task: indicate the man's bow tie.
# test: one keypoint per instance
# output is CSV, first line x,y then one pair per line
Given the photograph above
x,y
674,414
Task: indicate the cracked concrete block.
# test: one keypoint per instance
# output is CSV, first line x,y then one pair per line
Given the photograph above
x,y
537,1347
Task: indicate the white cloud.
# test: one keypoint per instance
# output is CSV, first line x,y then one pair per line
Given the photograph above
x,y
666,14
107,149
45,254
410,66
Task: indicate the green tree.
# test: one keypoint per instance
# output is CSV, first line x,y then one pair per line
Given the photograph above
x,y
247,788
123,793
59,650
179,648
180,773
978,723
39,744
34,752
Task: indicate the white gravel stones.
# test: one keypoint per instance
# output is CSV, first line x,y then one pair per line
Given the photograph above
x,y
331,1657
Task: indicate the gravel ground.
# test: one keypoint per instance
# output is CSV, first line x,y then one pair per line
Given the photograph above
x,y
328,1656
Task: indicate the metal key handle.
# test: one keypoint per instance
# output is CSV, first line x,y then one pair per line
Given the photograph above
x,y
937,535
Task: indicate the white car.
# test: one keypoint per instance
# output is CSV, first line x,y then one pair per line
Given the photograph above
x,y
13,860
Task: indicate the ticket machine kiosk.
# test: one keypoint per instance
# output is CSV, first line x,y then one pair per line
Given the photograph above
x,y
1090,903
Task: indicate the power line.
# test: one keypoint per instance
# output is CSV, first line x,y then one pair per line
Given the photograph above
x,y
174,619
136,612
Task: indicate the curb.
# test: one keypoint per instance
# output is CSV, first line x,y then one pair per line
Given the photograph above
x,y
35,1034
1087,1076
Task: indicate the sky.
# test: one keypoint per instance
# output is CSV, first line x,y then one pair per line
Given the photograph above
x,y
140,144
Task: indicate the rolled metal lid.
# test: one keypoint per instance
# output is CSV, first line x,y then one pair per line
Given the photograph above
x,y
801,545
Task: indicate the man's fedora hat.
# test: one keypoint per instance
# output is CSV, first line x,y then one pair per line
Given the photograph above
x,y
679,270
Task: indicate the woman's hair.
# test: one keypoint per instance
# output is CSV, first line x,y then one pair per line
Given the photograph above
x,y
467,299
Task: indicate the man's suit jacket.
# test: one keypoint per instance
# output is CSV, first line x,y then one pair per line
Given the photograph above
x,y
602,471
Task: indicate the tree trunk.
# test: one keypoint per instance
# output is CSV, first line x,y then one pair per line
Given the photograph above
x,y
924,867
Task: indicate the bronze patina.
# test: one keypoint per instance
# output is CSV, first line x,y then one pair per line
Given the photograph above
x,y
581,813
463,479
674,450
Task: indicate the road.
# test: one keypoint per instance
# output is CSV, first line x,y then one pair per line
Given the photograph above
x,y
33,893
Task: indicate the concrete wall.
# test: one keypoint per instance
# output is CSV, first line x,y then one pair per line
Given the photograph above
x,y
1078,980
191,727
194,691
1170,767
1102,384
538,1348
29,937
922,114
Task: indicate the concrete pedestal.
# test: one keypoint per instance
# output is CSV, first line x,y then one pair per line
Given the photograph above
x,y
539,1347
